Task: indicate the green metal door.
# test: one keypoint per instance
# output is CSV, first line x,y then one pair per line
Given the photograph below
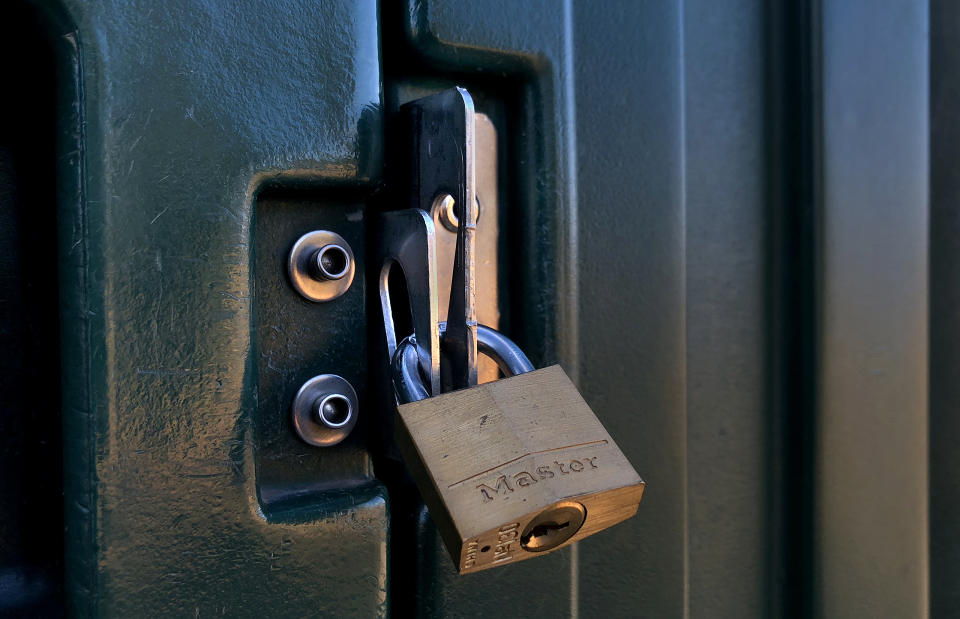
x,y
712,215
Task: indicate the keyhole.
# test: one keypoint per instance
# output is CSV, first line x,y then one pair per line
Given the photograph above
x,y
541,533
553,526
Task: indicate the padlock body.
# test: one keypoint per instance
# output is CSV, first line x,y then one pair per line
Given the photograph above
x,y
515,468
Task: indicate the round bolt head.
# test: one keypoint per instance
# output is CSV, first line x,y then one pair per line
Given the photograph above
x,y
321,265
330,262
333,410
325,410
443,210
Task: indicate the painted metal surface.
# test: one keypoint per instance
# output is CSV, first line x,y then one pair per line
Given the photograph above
x,y
527,49
187,111
630,238
526,52
731,468
716,224
944,307
871,458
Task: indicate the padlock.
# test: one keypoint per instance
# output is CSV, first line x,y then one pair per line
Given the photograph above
x,y
510,469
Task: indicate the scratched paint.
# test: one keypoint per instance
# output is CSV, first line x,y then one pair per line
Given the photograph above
x,y
188,109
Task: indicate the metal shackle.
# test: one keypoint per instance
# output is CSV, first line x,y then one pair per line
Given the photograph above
x,y
408,382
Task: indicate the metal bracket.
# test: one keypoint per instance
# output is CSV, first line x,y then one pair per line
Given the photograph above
x,y
444,168
443,200
408,239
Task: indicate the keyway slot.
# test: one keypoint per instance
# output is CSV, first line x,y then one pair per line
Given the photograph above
x,y
552,527
542,533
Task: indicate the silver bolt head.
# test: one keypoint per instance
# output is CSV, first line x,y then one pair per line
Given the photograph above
x,y
444,207
332,410
330,262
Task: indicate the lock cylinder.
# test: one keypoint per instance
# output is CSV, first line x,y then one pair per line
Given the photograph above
x,y
553,526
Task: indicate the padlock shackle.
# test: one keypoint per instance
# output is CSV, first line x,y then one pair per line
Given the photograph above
x,y
408,382
497,346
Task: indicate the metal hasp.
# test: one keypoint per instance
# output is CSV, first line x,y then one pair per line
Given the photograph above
x,y
443,157
408,240
486,239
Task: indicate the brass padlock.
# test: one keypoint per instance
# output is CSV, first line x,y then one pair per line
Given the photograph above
x,y
514,468
510,469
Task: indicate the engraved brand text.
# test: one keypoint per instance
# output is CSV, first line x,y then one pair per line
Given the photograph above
x,y
506,536
471,558
507,483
